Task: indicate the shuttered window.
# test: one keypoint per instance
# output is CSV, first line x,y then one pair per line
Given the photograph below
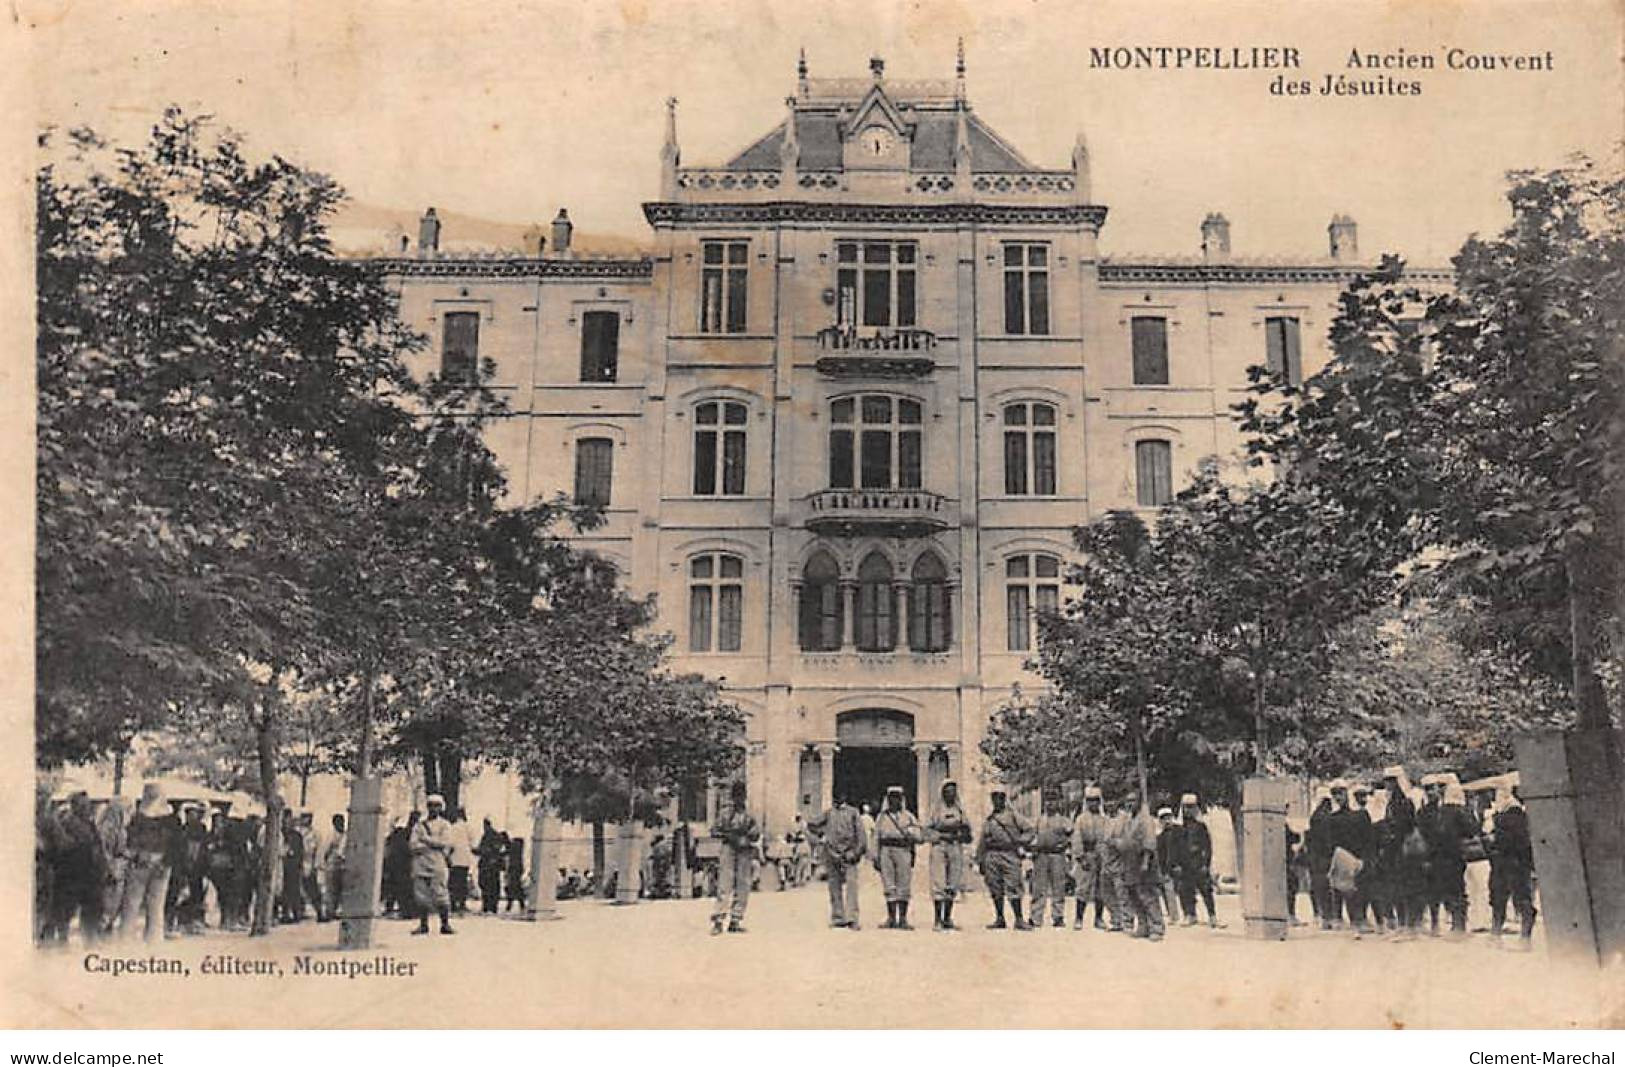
x,y
1283,349
1150,343
1153,473
460,346
600,346
595,470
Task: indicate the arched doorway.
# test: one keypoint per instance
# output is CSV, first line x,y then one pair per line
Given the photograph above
x,y
877,751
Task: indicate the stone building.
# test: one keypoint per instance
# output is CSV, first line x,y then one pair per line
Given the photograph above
x,y
845,411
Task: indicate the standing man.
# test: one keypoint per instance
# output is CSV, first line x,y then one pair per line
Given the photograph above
x,y
462,860
897,832
1195,875
430,845
1096,862
843,841
1134,836
1351,832
1051,838
1317,845
1170,860
154,842
998,854
949,833
741,837
1512,868
309,872
331,872
1371,880
1447,825
1404,853
493,853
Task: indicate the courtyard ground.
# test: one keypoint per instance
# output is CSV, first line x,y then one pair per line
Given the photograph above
x,y
655,964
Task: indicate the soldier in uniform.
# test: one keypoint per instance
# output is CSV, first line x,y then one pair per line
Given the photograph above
x,y
998,855
1512,867
1317,845
844,841
949,832
1051,838
431,845
741,837
1134,837
1195,875
897,834
1170,859
1096,864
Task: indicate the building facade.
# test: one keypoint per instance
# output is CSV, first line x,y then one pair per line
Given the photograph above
x,y
844,414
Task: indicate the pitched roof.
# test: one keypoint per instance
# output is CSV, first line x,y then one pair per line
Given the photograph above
x,y
818,133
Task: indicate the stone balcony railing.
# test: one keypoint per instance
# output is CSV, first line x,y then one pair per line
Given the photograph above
x,y
889,512
723,184
868,352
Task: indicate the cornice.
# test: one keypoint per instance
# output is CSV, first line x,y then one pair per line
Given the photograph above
x,y
515,267
666,213
1256,273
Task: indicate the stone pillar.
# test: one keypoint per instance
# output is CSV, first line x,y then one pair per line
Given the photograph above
x,y
541,901
956,769
901,608
826,776
363,862
849,615
922,763
628,855
684,864
1573,787
1263,867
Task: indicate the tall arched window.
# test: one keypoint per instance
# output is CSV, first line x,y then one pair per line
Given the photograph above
x,y
877,605
875,443
1029,449
716,596
719,448
1032,587
930,621
821,604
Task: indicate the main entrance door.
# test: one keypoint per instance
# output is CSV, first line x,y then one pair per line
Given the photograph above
x,y
876,752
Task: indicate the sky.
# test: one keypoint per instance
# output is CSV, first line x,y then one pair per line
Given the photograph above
x,y
506,111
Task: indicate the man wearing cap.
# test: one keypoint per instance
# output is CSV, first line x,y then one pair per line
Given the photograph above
x,y
842,838
1170,857
431,846
741,838
897,834
998,854
1051,837
1096,864
1195,875
1512,867
1358,835
154,843
949,832
1134,837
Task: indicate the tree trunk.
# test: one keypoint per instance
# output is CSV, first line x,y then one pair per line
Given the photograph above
x,y
271,854
364,756
431,772
118,771
599,857
1260,742
1139,762
451,777
1589,700
304,786
1237,827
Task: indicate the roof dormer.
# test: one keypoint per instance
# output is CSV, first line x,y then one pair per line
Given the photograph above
x,y
878,135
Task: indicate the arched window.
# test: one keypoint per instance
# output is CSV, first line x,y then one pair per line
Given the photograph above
x,y
877,605
716,596
930,621
1029,449
1032,587
595,470
875,443
719,448
821,604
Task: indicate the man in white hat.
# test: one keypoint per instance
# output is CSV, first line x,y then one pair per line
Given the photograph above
x,y
1134,836
1052,837
1170,854
154,843
1404,854
897,834
949,832
431,847
741,838
1195,876
1095,864
1446,824
1512,867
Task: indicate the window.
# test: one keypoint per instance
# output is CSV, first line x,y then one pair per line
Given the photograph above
x,y
930,624
722,286
1153,473
719,448
876,438
716,597
460,346
600,345
875,283
595,470
821,605
1026,288
1032,587
877,605
1150,339
1283,353
1029,449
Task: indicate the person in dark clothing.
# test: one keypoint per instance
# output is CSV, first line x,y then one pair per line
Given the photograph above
x,y
1195,874
1170,861
492,852
1293,844
1446,825
252,849
184,905
515,881
220,863
397,888
1404,853
293,882
1512,868
1318,844
78,869
1358,835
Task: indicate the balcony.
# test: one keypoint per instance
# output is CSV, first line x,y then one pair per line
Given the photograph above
x,y
875,352
885,512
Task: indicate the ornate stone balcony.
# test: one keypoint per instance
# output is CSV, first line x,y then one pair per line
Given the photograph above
x,y
854,352
886,512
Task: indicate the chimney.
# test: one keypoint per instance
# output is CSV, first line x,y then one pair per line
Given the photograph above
x,y
1344,238
877,67
428,233
1215,238
535,242
561,233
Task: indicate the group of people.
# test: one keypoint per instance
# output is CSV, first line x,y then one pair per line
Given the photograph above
x,y
1385,874
1128,864
429,857
153,870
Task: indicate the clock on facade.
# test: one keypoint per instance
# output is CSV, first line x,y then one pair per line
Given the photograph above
x,y
877,142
